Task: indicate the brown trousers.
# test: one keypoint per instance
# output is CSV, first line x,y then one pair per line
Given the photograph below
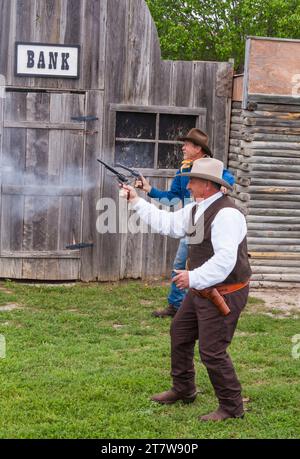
x,y
200,319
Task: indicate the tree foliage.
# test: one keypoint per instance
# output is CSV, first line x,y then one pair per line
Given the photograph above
x,y
217,29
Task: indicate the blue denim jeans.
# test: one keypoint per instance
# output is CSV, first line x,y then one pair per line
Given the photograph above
x,y
176,295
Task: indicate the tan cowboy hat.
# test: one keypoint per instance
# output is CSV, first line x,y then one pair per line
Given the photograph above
x,y
199,138
208,169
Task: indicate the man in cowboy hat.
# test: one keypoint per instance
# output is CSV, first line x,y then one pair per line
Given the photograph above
x,y
195,147
218,258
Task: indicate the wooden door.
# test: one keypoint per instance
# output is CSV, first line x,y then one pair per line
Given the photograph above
x,y
41,177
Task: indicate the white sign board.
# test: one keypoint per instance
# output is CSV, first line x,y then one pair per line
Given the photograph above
x,y
45,60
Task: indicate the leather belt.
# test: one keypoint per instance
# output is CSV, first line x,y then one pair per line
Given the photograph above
x,y
224,289
215,294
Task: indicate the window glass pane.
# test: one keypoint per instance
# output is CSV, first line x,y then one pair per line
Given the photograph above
x,y
135,154
173,126
169,156
135,125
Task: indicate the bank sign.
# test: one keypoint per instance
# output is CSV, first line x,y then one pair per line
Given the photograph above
x,y
45,60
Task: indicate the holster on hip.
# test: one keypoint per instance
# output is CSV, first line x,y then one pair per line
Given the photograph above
x,y
212,294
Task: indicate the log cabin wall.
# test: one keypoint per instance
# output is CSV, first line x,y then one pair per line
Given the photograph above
x,y
136,106
264,154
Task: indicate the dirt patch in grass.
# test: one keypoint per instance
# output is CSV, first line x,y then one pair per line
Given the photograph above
x,y
277,303
10,307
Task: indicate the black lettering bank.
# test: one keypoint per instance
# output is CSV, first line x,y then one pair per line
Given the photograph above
x,y
47,60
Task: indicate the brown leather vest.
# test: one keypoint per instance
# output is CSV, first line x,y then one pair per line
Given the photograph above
x,y
201,248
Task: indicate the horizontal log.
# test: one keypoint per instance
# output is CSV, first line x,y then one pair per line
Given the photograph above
x,y
270,175
236,128
255,153
235,142
243,181
274,240
275,212
265,136
273,248
265,200
271,145
272,124
237,165
268,132
290,220
237,136
252,168
275,262
276,277
266,159
237,156
267,233
294,270
236,150
270,190
269,284
272,182
263,226
274,255
274,108
236,120
241,196
272,167
280,204
274,99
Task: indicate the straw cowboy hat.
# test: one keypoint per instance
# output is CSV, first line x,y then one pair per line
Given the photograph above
x,y
199,138
208,169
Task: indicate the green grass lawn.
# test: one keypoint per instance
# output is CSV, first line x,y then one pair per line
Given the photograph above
x,y
83,360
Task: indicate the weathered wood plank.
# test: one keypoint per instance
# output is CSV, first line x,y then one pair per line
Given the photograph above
x,y
294,270
275,233
154,263
138,57
277,198
274,248
42,269
274,262
183,84
42,125
94,41
276,284
5,15
91,190
276,277
290,220
204,83
10,268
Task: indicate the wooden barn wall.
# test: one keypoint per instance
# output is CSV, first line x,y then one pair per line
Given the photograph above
x,y
264,154
120,64
139,77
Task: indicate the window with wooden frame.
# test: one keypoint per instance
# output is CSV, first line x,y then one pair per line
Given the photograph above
x,y
146,137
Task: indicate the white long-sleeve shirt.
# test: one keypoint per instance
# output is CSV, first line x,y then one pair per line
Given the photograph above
x,y
228,229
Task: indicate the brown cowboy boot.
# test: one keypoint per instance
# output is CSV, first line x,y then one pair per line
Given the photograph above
x,y
219,415
170,311
171,396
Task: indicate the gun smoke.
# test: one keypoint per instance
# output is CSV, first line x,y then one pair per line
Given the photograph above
x,y
44,185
